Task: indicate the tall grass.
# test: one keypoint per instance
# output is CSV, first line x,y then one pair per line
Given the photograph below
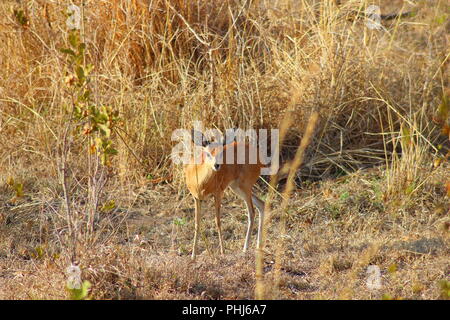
x,y
235,63
164,64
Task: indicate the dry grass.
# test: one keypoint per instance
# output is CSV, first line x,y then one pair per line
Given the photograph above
x,y
369,193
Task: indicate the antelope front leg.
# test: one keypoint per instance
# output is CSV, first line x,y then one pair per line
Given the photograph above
x,y
197,227
247,197
218,199
260,206
251,218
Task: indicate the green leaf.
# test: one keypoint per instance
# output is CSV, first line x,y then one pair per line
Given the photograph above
x,y
445,289
80,74
392,268
10,181
18,187
410,188
101,118
441,19
82,293
104,129
179,221
74,39
85,96
108,206
39,252
98,143
89,68
345,195
111,151
81,48
93,111
78,59
67,51
77,112
21,17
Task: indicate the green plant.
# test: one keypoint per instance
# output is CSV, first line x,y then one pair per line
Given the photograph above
x,y
444,286
89,126
387,296
179,221
344,196
95,122
21,17
79,293
17,187
39,252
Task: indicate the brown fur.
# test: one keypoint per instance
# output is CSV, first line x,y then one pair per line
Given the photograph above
x,y
203,181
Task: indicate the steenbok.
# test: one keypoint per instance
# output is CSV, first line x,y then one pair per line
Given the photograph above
x,y
213,172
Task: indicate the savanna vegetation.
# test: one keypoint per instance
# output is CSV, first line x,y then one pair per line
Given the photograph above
x,y
87,113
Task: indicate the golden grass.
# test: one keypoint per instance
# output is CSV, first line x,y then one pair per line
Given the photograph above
x,y
247,64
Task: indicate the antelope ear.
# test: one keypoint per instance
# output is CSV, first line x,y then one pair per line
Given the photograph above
x,y
230,136
198,138
207,151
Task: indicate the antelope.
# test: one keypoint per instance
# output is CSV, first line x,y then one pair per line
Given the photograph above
x,y
211,177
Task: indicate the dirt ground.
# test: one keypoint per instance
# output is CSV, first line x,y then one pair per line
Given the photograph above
x,y
334,230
